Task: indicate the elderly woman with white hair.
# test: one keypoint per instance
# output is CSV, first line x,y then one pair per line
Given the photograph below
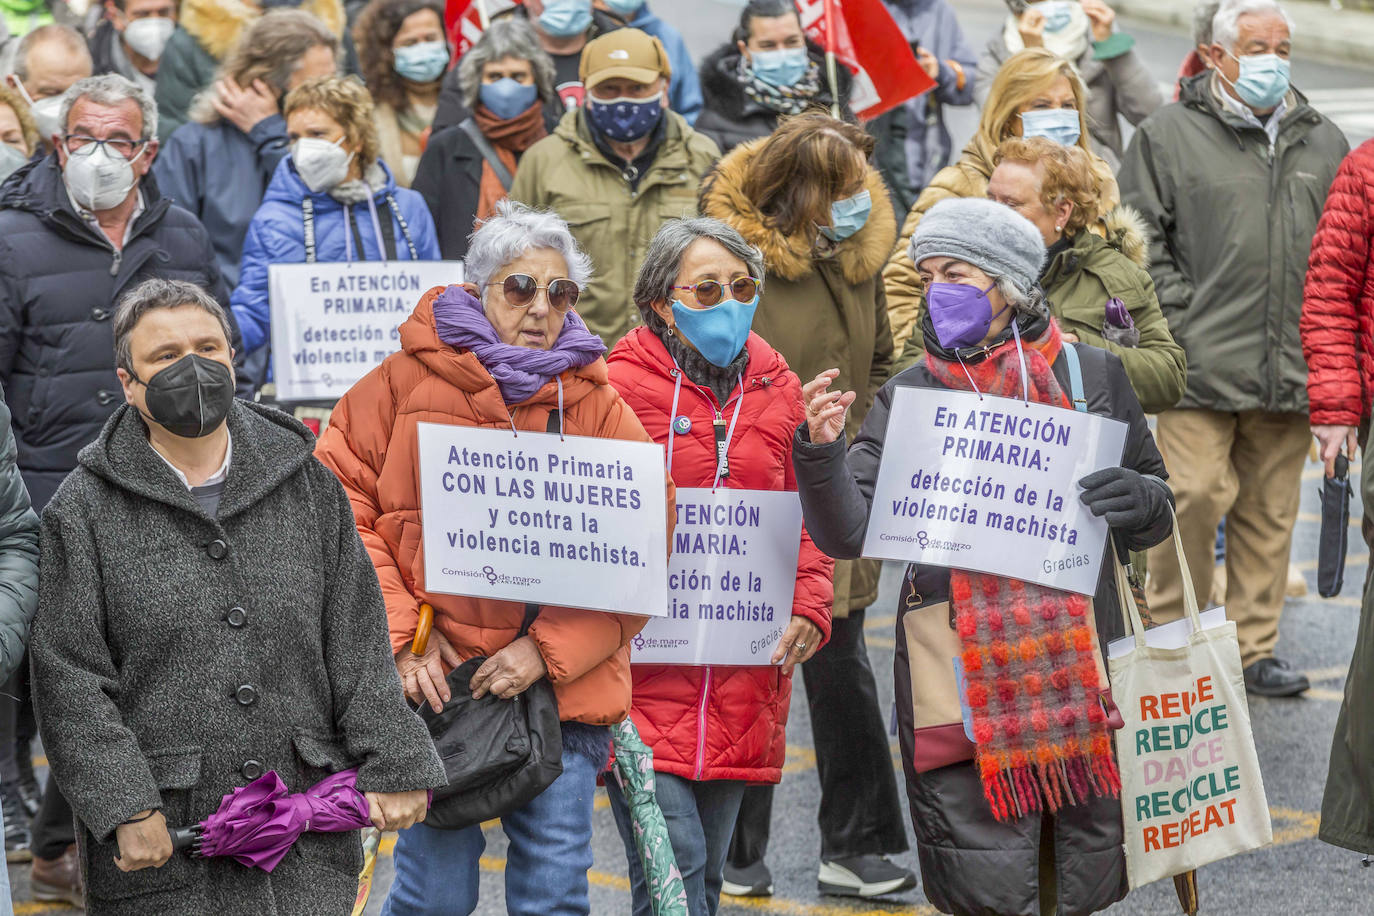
x,y
507,84
988,330
504,350
691,368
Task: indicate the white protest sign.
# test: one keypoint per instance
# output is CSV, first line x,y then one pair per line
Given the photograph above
x,y
730,579
990,484
332,323
574,522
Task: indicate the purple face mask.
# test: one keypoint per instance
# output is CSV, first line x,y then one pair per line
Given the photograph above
x,y
961,314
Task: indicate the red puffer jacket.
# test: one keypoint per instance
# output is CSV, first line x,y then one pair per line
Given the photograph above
x,y
722,722
1338,298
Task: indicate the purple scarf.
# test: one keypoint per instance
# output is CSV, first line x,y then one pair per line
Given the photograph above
x,y
518,371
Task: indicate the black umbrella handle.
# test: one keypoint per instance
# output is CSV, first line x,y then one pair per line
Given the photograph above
x,y
186,838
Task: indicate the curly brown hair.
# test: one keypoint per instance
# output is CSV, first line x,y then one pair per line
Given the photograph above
x,y
373,34
347,101
1066,173
803,167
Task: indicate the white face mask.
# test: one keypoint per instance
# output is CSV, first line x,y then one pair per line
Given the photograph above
x,y
98,177
47,114
148,36
320,163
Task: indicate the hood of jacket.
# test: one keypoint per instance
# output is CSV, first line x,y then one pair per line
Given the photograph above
x,y
37,187
1125,229
217,24
463,370
1196,93
269,447
723,94
1030,326
792,256
287,187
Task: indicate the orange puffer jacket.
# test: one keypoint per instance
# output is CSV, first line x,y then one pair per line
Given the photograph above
x,y
371,444
712,722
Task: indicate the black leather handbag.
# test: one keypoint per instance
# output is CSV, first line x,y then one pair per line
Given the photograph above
x,y
498,754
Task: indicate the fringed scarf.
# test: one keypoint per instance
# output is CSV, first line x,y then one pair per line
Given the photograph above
x,y
1033,684
785,100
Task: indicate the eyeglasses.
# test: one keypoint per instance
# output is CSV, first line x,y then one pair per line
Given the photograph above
x,y
709,292
520,290
126,148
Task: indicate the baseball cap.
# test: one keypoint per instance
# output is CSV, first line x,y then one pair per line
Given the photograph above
x,y
626,53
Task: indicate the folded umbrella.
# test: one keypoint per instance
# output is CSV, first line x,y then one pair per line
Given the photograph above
x,y
1335,532
259,823
634,773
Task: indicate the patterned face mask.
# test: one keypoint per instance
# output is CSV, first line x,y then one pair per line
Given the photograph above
x,y
625,119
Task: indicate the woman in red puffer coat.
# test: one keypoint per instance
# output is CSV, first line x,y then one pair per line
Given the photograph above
x,y
696,375
1338,308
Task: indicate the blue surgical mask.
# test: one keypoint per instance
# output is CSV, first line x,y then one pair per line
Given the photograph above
x,y
718,333
625,9
566,18
1264,79
506,98
423,62
783,68
1058,124
1058,14
625,119
848,216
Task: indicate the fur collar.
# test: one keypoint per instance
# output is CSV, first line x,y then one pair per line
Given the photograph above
x,y
860,257
217,24
1127,232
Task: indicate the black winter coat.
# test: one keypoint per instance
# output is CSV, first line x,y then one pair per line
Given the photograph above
x,y
971,864
449,178
60,281
176,657
730,117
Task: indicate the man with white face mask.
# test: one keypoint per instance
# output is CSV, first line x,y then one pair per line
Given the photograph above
x,y
48,61
130,39
1232,179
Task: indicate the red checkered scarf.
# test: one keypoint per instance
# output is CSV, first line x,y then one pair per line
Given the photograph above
x,y
1039,726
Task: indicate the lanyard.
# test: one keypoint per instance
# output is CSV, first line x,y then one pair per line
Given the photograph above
x,y
723,435
308,218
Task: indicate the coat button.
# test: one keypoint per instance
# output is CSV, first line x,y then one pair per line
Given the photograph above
x,y
236,617
217,549
251,769
247,695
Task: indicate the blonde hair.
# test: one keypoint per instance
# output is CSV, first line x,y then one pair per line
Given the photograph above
x,y
1066,173
1025,75
348,102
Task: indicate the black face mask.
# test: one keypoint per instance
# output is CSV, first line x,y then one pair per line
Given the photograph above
x,y
191,397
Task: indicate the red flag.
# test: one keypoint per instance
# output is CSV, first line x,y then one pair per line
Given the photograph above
x,y
464,24
872,46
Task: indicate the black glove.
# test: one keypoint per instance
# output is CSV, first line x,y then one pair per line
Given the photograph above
x,y
1124,497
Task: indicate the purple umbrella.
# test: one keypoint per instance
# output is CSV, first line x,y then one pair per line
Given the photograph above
x,y
258,824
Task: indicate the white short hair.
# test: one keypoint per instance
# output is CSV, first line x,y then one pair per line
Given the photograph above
x,y
515,230
112,89
1226,28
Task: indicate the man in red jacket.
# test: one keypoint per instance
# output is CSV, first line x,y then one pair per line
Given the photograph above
x,y
1338,313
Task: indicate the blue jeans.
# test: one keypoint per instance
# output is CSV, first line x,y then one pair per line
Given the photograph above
x,y
701,819
547,860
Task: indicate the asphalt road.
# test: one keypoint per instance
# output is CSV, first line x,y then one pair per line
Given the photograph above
x,y
1299,876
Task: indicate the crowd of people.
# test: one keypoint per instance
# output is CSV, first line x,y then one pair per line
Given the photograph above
x,y
718,258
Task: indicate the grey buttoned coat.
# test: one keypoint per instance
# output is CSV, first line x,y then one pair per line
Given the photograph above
x,y
178,656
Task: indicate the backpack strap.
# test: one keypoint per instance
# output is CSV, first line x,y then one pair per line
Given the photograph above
x,y
1080,403
479,140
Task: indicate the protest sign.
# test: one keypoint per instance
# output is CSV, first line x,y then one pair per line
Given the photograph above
x,y
332,323
990,484
730,579
574,522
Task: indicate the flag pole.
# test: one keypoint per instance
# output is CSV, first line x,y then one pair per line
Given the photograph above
x,y
482,16
830,72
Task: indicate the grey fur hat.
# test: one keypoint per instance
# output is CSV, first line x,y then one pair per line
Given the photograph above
x,y
992,237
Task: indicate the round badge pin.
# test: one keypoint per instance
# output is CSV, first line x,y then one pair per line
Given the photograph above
x,y
682,426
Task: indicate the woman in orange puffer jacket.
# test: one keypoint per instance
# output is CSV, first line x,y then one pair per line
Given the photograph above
x,y
505,360
694,373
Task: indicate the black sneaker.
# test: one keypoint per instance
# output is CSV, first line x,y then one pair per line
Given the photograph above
x,y
18,840
864,876
29,790
1270,677
754,881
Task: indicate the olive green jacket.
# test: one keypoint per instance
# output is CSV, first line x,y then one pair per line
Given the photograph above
x,y
1079,281
567,173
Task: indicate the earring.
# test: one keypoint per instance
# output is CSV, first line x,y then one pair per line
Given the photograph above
x,y
1058,228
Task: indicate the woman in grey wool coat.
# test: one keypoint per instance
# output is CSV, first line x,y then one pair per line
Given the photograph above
x,y
207,613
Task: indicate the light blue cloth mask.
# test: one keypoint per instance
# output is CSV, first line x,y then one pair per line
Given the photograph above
x,y
423,62
1058,124
1264,79
566,18
848,216
783,68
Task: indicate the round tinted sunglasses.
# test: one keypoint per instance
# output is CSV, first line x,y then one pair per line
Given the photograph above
x,y
710,292
520,290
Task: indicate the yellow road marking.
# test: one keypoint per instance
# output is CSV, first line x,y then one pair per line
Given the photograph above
x,y
31,907
1303,827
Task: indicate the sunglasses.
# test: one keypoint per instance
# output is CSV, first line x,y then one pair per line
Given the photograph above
x,y
520,290
709,292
